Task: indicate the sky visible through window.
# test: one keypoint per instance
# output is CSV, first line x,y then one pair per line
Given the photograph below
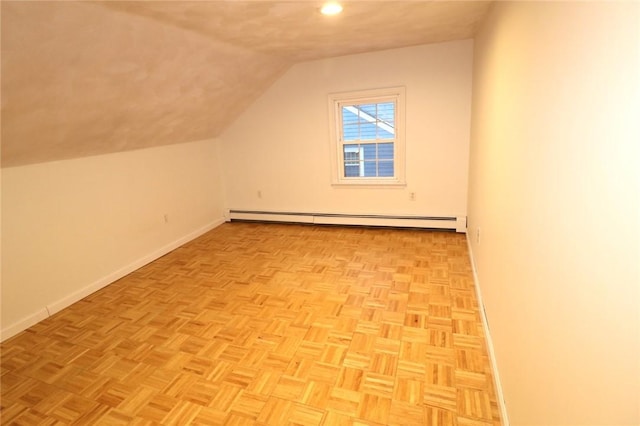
x,y
371,128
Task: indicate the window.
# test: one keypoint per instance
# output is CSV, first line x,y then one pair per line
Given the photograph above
x,y
367,137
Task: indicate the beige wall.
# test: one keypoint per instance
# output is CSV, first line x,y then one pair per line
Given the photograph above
x,y
280,145
554,189
72,226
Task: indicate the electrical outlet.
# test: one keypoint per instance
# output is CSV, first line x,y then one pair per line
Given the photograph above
x,y
166,218
259,193
477,235
412,196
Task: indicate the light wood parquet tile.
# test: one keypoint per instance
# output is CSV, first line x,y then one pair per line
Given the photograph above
x,y
266,324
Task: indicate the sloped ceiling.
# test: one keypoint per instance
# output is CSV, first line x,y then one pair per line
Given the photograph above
x,y
87,78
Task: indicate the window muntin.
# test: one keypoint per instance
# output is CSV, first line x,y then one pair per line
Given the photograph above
x,y
368,143
368,160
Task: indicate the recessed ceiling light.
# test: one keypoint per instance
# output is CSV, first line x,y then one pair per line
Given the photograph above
x,y
331,8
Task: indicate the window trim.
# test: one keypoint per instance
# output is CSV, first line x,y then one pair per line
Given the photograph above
x,y
336,101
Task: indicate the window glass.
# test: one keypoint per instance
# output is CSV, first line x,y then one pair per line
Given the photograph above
x,y
368,123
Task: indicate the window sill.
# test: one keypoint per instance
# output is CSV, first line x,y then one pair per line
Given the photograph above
x,y
369,184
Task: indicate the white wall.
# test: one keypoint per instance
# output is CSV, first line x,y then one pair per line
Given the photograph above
x,y
554,189
71,227
280,145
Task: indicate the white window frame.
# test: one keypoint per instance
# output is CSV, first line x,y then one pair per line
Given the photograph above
x,y
336,102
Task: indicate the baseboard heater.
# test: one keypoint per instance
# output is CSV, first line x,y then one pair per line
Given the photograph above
x,y
458,224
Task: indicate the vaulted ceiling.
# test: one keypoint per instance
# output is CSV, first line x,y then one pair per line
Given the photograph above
x,y
88,78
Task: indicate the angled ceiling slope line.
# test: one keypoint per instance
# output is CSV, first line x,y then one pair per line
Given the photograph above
x,y
81,80
296,29
89,78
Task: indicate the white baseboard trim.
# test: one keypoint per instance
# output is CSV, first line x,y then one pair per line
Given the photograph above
x,y
457,223
23,324
72,298
492,356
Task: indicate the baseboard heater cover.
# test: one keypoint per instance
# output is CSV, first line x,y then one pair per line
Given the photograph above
x,y
457,223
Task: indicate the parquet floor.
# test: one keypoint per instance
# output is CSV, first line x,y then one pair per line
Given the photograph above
x,y
255,324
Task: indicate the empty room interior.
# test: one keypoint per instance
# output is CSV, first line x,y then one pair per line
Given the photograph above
x,y
252,212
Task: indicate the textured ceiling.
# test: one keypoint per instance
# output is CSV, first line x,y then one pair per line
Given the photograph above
x,y
87,78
